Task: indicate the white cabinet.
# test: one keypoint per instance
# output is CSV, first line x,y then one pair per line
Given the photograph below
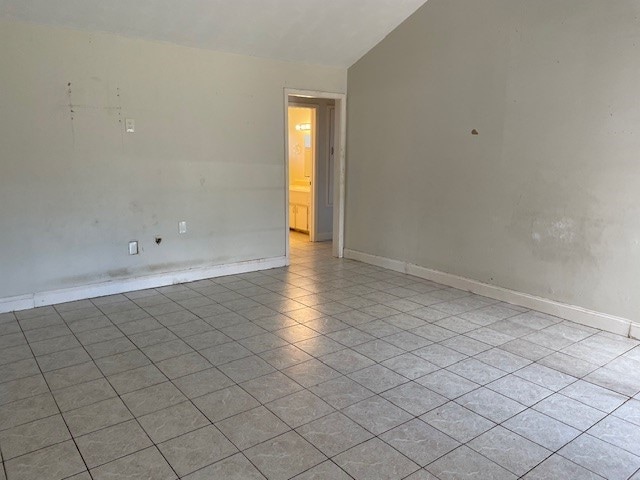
x,y
299,217
299,207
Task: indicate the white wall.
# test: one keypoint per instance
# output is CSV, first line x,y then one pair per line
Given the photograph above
x,y
74,188
546,199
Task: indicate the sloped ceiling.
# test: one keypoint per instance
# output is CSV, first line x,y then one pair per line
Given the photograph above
x,y
326,32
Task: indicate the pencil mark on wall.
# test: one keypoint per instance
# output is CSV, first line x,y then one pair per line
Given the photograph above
x,y
72,114
120,118
77,108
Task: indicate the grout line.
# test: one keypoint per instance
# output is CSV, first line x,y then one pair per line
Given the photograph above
x,y
133,418
318,277
59,411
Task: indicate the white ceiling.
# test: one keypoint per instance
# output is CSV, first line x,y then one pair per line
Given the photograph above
x,y
327,32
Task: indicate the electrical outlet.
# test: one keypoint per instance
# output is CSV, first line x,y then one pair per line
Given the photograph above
x,y
133,247
182,227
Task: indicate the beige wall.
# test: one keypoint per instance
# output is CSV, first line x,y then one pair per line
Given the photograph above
x,y
546,199
74,188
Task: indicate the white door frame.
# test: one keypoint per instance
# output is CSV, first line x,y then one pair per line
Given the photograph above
x,y
340,139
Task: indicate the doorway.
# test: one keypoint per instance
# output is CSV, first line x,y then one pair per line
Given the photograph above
x,y
315,135
303,156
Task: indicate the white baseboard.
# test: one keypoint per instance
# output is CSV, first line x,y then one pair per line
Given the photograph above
x,y
20,302
53,297
634,331
591,318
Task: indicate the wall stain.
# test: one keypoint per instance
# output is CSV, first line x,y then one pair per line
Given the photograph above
x,y
558,238
135,207
556,234
127,273
119,273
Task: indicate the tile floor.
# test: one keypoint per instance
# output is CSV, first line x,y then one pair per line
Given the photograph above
x,y
328,369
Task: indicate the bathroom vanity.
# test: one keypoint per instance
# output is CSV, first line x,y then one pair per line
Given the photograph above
x,y
299,205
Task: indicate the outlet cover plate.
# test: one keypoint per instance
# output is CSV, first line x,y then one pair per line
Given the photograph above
x,y
133,247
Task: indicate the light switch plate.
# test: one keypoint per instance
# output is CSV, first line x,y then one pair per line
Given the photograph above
x,y
133,247
182,227
130,125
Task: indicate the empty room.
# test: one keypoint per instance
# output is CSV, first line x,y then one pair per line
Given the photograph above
x,y
319,239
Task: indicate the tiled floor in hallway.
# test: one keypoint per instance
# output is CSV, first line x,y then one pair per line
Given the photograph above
x,y
329,369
